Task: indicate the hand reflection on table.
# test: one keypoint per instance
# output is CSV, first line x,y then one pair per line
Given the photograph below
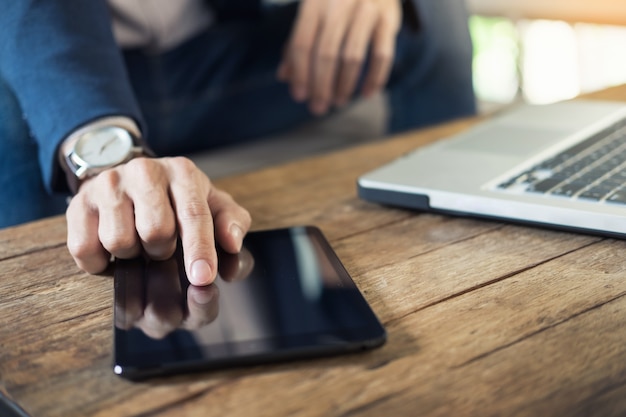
x,y
159,299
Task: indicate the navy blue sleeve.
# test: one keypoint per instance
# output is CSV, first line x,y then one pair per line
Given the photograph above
x,y
61,60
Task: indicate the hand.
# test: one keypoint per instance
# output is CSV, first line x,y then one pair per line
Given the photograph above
x,y
143,205
328,46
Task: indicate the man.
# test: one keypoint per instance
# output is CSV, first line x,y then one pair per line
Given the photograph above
x,y
82,104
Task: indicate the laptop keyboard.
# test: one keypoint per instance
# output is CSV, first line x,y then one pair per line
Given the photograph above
x,y
593,170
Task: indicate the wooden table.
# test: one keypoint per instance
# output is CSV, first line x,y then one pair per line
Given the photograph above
x,y
484,318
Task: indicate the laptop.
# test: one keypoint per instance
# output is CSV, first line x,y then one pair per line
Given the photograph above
x,y
560,165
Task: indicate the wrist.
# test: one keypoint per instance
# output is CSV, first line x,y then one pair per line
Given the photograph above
x,y
98,146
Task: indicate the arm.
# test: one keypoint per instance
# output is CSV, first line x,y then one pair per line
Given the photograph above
x,y
62,61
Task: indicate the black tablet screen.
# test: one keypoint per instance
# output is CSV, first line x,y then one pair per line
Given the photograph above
x,y
286,295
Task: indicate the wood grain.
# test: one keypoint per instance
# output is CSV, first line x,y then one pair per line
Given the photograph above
x,y
484,318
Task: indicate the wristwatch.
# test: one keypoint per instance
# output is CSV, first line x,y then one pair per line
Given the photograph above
x,y
98,146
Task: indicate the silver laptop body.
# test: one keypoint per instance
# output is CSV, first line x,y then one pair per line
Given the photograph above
x,y
485,170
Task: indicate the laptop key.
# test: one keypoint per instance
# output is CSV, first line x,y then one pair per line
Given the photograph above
x,y
618,197
545,185
593,194
569,189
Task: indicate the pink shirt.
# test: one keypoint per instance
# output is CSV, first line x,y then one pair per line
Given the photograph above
x,y
158,24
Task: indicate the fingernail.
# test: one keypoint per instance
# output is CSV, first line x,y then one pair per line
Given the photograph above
x,y
237,234
200,273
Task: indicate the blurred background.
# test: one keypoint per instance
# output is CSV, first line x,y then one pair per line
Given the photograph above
x,y
544,51
539,51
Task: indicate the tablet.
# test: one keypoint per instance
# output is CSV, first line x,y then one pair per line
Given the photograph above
x,y
285,296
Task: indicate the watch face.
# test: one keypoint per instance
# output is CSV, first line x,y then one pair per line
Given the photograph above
x,y
104,147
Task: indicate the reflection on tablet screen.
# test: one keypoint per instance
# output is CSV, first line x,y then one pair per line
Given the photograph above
x,y
285,295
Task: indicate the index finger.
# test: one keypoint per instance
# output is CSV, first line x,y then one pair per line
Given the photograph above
x,y
189,190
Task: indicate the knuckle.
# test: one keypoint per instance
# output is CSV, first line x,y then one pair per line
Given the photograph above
x,y
352,58
141,167
140,163
79,248
110,178
194,209
183,165
88,257
157,233
77,204
367,7
300,46
382,56
385,22
119,243
326,54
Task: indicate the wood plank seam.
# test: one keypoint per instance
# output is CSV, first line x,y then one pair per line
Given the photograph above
x,y
539,331
32,251
486,283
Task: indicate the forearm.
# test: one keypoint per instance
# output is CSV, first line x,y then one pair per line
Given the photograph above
x,y
61,60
